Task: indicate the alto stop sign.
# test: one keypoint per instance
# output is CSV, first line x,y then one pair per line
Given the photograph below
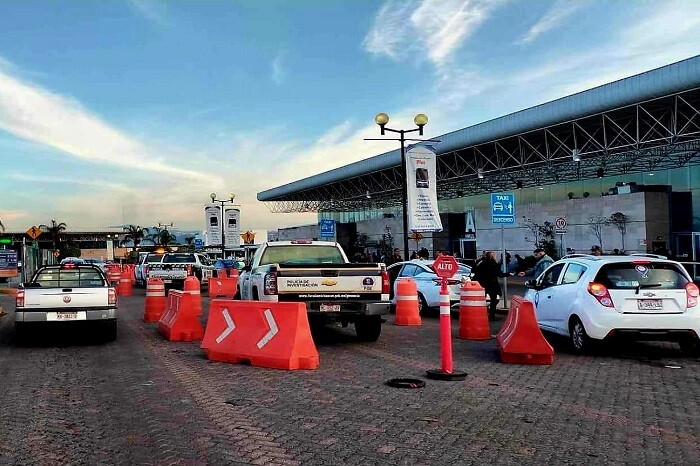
x,y
445,266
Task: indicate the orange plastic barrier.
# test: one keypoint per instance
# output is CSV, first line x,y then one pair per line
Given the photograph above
x,y
155,300
520,340
132,275
114,273
223,287
266,334
192,286
407,312
125,288
473,316
180,321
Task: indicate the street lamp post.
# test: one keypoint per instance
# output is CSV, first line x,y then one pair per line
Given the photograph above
x,y
420,120
223,202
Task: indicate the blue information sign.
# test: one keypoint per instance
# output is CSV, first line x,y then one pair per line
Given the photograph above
x,y
327,228
502,208
198,243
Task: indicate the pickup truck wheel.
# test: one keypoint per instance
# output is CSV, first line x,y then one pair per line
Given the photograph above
x,y
368,328
110,331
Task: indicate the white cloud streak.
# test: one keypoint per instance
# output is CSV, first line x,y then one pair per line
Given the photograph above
x,y
432,29
553,18
35,114
154,11
279,70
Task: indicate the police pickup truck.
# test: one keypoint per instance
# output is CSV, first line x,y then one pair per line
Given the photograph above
x,y
319,274
67,293
175,267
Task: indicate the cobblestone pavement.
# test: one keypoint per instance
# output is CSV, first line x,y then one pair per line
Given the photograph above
x,y
67,399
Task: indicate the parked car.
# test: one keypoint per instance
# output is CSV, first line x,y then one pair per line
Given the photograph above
x,y
99,263
146,259
427,281
74,260
593,298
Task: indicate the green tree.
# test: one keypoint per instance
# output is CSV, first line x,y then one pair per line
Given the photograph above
x,y
54,230
546,239
69,249
135,234
162,237
189,240
620,221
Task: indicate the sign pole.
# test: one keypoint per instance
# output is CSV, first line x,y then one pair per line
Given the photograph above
x,y
504,266
445,267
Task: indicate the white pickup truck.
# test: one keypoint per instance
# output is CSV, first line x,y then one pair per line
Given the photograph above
x,y
177,266
319,274
67,293
146,259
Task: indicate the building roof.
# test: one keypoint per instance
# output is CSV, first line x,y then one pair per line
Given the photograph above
x,y
666,80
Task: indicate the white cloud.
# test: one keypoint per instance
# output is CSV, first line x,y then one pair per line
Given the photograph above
x,y
553,18
38,115
153,10
279,70
433,29
75,181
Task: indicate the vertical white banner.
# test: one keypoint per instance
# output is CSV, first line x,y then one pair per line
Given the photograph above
x,y
233,227
421,179
212,215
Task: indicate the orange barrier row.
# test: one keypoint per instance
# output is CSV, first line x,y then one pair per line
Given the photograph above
x,y
265,334
520,340
125,287
473,316
180,321
407,312
114,273
155,300
223,287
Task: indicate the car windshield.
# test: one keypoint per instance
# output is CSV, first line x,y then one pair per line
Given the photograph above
x,y
179,259
630,275
302,254
80,277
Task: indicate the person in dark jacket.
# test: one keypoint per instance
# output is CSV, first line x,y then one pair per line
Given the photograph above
x,y
487,272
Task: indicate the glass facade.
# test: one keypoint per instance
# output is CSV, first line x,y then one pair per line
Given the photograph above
x,y
684,179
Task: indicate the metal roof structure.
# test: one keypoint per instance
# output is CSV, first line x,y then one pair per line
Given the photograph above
x,y
644,122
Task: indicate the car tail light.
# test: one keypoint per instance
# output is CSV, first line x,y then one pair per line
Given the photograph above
x,y
69,265
601,293
112,296
19,298
691,292
146,270
271,283
386,283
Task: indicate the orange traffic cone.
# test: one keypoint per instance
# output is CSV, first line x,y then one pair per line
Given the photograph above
x,y
155,300
192,286
473,316
407,312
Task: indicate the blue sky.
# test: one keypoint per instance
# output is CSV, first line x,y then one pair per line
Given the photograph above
x,y
134,111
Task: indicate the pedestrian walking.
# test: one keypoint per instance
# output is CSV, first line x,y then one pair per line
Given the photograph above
x,y
543,261
487,272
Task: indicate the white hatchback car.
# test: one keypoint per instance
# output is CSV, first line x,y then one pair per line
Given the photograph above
x,y
427,281
644,296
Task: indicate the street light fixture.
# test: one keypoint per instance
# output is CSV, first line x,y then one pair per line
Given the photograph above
x,y
420,121
223,202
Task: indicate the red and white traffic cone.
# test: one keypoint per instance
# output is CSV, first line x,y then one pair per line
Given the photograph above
x,y
446,372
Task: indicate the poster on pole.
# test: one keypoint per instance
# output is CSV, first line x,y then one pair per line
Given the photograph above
x,y
233,227
212,215
421,182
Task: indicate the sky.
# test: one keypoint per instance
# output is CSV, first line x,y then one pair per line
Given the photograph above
x,y
132,111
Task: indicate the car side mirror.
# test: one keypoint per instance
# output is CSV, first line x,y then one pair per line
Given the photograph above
x,y
532,283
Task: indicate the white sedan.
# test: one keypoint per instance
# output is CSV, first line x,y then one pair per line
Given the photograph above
x,y
428,283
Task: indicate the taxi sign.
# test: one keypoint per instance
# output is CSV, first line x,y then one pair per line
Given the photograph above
x,y
34,232
445,266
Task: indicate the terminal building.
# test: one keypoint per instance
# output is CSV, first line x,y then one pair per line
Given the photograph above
x,y
630,147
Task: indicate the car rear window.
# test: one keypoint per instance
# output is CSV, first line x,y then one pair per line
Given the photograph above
x,y
179,259
152,258
630,275
81,277
302,254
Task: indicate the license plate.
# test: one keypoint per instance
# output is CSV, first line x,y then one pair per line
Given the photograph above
x,y
330,308
63,316
167,281
647,304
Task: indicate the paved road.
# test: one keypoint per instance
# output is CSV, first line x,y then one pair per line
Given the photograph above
x,y
142,400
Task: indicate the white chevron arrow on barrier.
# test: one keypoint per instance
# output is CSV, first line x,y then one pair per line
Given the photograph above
x,y
230,326
273,329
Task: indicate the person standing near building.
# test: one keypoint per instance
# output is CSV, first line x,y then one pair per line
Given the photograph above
x,y
543,261
487,272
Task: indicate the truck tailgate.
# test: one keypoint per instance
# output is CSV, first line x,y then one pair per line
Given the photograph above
x,y
65,298
330,283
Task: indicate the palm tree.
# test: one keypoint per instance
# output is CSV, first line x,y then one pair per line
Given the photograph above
x,y
162,237
190,242
54,231
135,234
